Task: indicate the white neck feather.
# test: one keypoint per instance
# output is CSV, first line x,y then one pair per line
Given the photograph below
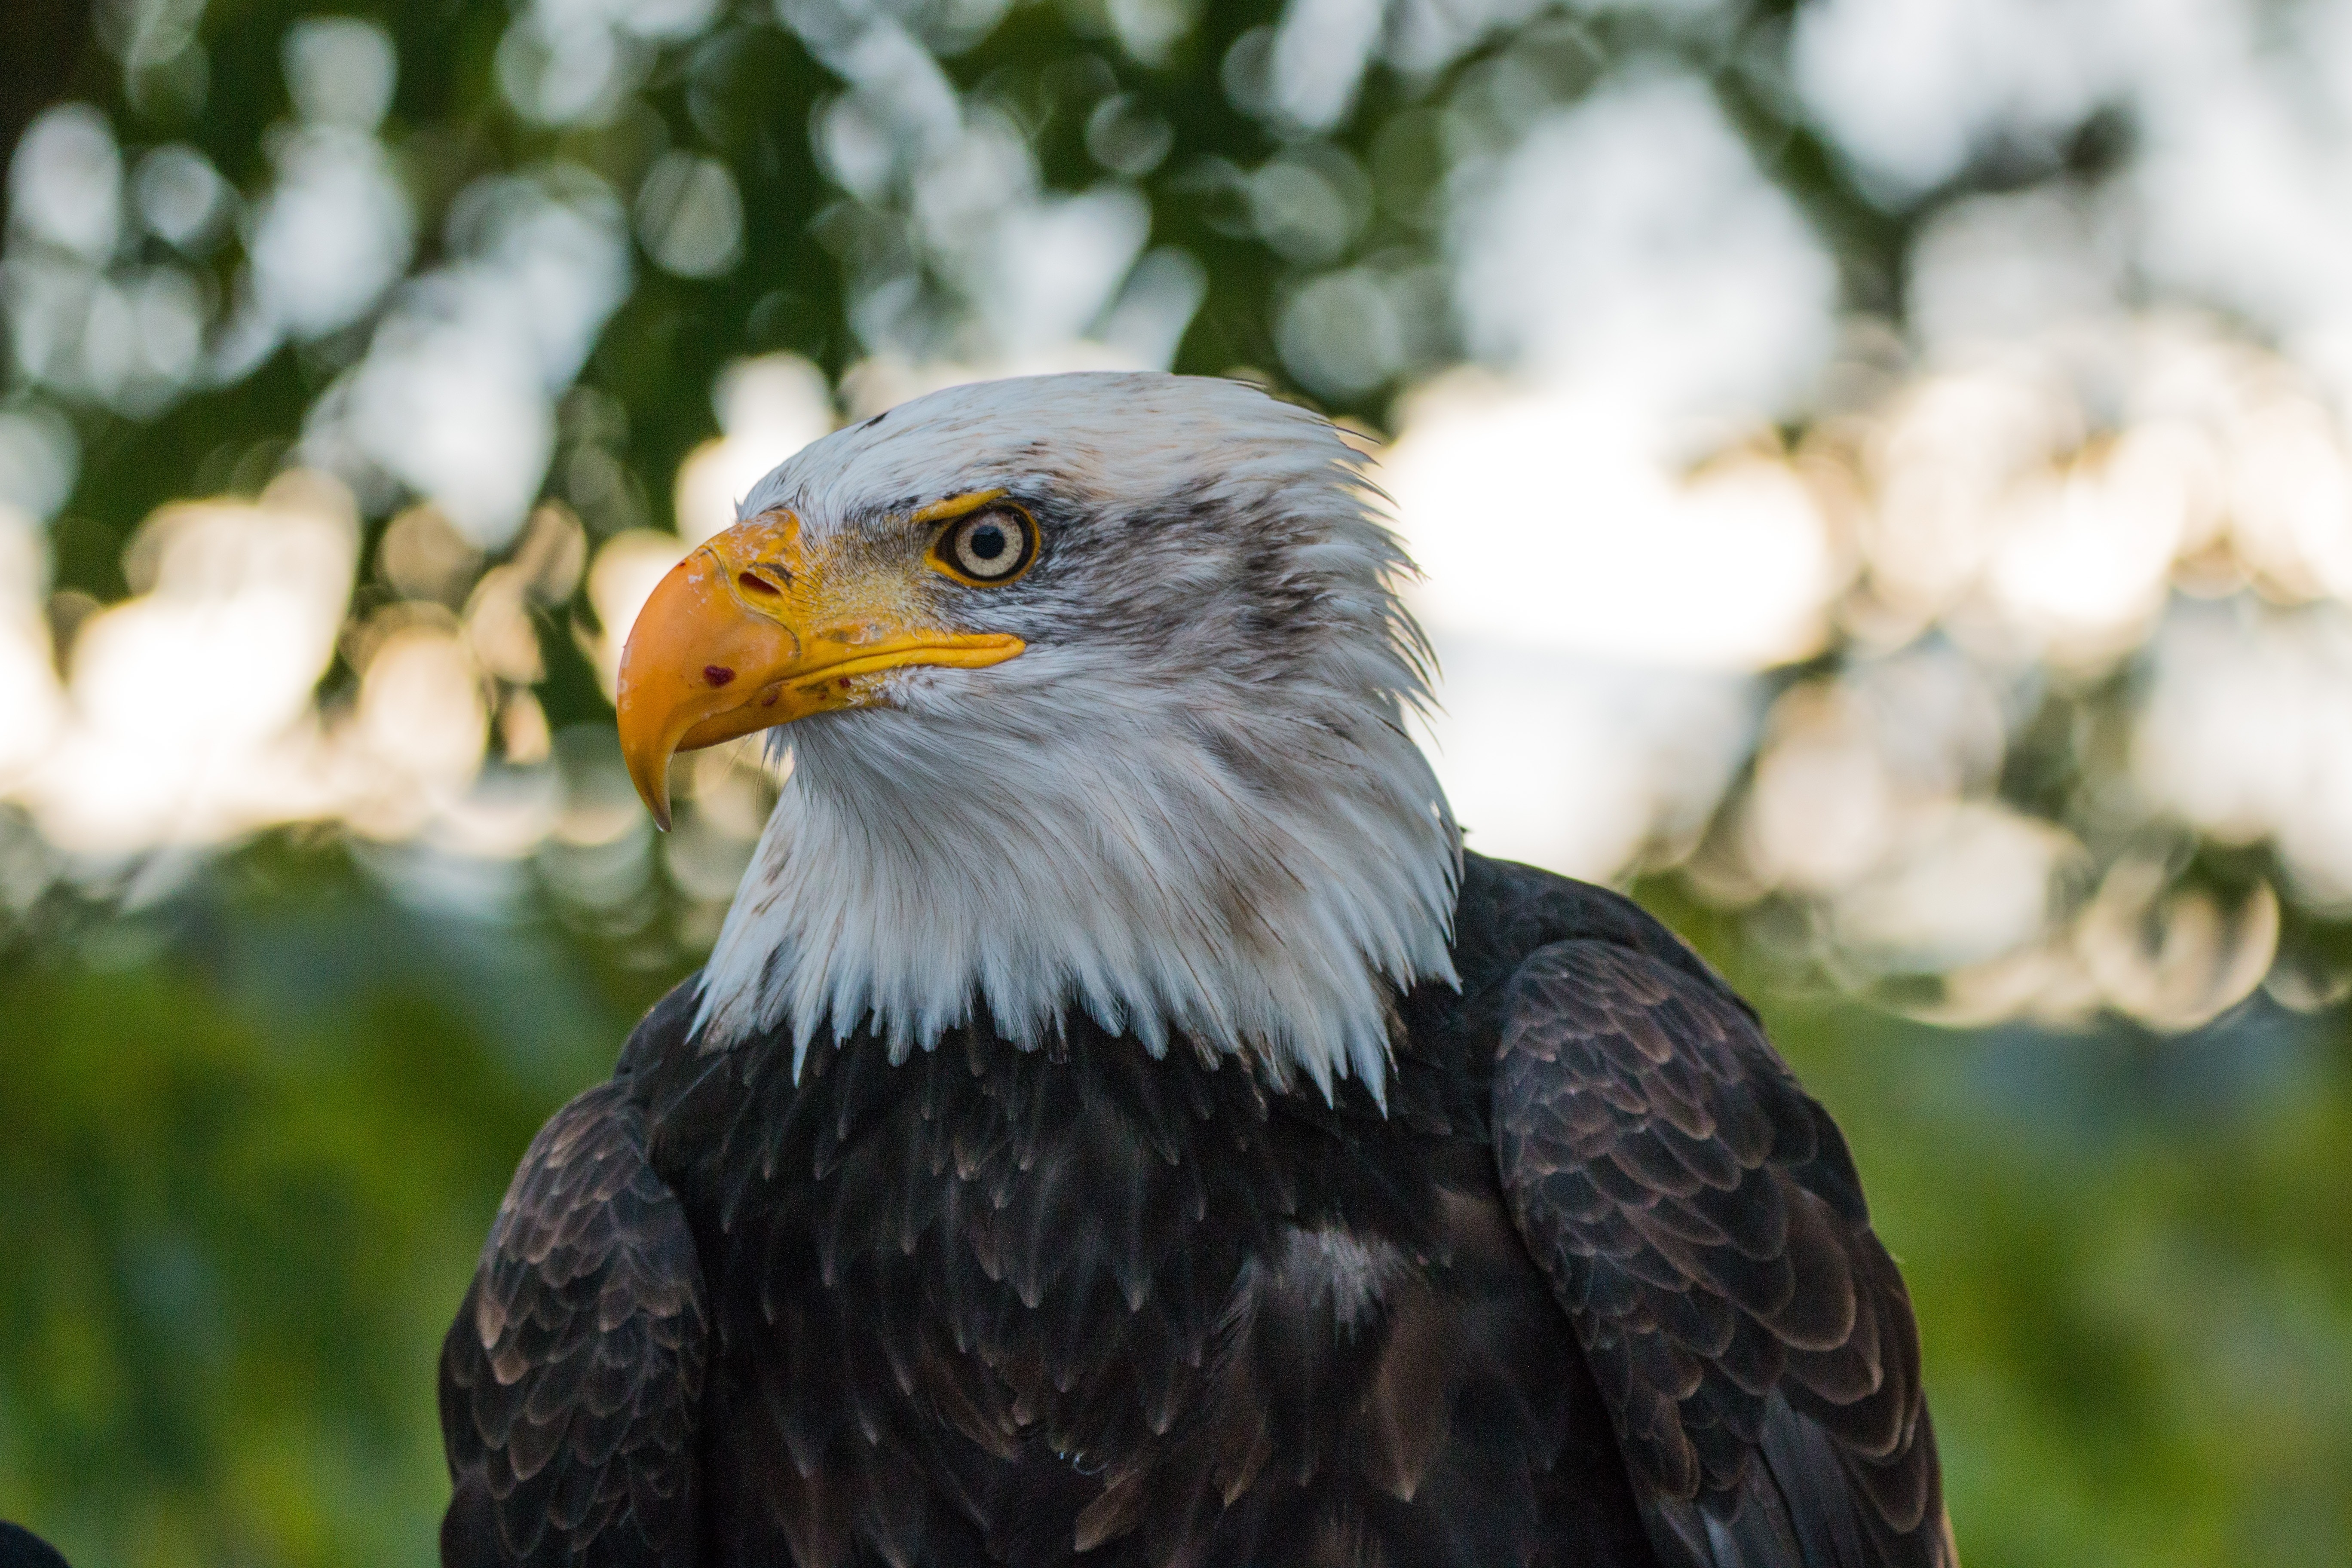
x,y
910,871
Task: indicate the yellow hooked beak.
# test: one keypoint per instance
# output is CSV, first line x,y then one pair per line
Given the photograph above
x,y
748,633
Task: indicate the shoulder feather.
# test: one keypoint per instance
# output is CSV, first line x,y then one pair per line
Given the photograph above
x,y
570,1380
1700,1220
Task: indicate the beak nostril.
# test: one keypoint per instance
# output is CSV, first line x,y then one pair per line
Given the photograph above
x,y
753,582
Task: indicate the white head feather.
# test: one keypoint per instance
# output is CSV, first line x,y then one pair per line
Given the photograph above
x,y
1189,807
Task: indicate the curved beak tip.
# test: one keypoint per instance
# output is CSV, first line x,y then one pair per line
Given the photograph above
x,y
650,773
655,703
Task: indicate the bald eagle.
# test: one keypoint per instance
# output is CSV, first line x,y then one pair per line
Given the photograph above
x,y
1118,1124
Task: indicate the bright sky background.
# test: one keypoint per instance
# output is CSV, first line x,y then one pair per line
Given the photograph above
x,y
2117,432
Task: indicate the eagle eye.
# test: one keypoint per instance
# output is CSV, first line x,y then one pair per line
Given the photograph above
x,y
990,546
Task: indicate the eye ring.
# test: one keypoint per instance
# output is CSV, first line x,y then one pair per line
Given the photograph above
x,y
987,548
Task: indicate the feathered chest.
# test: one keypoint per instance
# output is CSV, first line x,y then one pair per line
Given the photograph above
x,y
1091,1297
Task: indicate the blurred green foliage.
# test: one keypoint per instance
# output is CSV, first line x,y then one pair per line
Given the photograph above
x,y
255,1111
258,1132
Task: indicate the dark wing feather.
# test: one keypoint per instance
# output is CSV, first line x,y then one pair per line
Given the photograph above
x,y
20,1548
1699,1218
571,1379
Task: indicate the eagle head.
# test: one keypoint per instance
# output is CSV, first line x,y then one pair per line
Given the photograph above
x,y
1094,690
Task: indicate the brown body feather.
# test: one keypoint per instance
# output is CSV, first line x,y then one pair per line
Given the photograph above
x,y
1597,1288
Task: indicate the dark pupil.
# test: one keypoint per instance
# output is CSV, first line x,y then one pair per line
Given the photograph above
x,y
987,541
